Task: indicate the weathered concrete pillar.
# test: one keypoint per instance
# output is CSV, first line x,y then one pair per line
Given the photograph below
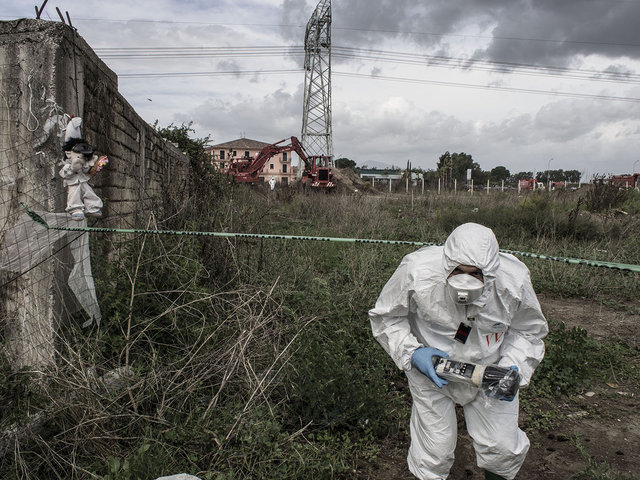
x,y
28,78
28,320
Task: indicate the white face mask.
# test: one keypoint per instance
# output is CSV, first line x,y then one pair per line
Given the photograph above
x,y
464,288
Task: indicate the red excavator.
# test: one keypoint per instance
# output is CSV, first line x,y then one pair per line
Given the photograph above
x,y
316,175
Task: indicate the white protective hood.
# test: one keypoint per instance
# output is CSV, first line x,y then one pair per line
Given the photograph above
x,y
474,245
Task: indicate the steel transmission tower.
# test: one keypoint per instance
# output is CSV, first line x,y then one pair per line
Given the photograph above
x,y
316,117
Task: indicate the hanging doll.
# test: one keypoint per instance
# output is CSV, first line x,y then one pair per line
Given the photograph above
x,y
80,164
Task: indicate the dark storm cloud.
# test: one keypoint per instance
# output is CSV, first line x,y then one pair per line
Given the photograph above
x,y
565,28
522,31
360,22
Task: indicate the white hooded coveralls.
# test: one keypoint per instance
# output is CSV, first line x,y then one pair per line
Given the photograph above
x,y
415,309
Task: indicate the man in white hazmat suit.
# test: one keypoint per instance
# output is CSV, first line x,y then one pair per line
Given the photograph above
x,y
468,301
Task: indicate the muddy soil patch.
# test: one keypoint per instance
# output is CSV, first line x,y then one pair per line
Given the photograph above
x,y
602,323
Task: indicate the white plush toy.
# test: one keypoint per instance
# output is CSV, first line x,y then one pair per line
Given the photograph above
x,y
80,164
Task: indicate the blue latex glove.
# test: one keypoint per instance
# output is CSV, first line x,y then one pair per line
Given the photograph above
x,y
422,359
510,399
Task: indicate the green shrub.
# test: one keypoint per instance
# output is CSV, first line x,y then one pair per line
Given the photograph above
x,y
334,383
574,361
565,368
632,202
601,197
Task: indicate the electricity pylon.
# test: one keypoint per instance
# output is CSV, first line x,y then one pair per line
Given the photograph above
x,y
316,117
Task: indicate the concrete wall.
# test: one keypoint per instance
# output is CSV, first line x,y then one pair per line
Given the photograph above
x,y
47,70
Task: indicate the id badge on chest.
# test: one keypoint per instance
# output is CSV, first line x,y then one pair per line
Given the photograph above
x,y
463,332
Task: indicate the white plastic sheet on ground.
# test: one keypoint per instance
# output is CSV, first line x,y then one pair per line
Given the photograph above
x,y
28,243
179,476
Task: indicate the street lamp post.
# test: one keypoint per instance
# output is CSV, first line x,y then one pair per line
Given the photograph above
x,y
548,172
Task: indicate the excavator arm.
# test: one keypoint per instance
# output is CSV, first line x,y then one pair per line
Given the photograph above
x,y
247,171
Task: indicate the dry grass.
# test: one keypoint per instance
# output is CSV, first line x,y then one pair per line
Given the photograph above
x,y
240,358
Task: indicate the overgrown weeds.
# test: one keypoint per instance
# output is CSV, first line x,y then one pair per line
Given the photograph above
x,y
250,358
602,197
574,361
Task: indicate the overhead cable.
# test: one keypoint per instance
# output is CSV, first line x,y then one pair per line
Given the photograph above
x,y
380,77
396,57
207,74
360,29
489,87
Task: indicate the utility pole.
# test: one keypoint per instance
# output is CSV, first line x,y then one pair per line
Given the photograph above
x,y
317,137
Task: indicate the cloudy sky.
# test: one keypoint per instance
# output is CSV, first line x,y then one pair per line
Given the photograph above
x,y
526,84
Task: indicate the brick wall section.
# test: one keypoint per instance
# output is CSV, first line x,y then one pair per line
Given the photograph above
x,y
143,166
45,63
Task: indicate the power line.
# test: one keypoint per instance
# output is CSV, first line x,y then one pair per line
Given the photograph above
x,y
466,62
359,29
484,65
196,52
385,78
204,48
492,37
207,74
347,28
489,87
396,57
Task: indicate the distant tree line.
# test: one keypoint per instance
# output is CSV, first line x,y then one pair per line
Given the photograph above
x,y
560,175
453,167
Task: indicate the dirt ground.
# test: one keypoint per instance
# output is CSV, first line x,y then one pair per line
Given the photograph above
x,y
605,419
347,180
